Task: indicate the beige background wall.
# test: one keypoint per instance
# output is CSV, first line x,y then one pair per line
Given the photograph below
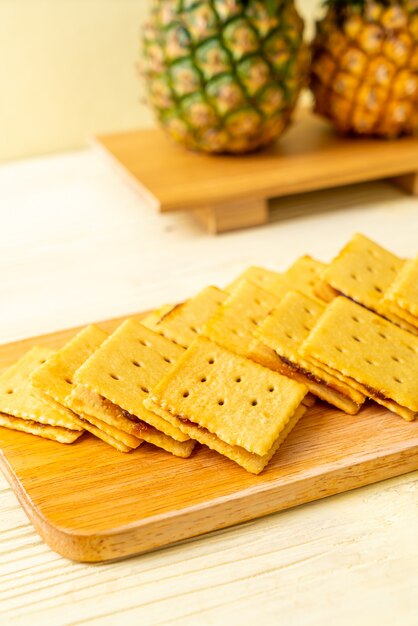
x,y
67,70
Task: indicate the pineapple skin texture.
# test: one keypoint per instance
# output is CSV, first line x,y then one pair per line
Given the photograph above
x,y
224,77
365,68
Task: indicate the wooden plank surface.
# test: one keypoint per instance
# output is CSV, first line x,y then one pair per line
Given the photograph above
x,y
91,503
308,157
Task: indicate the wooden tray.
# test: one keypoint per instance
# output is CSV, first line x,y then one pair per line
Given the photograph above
x,y
92,503
228,192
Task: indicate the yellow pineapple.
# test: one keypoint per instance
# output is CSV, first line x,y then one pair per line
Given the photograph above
x,y
365,66
224,76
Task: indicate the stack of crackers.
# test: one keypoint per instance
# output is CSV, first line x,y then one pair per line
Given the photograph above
x,y
233,369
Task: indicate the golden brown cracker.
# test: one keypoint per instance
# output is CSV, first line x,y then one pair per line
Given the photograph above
x,y
234,323
182,449
363,271
324,291
402,314
92,404
403,292
258,275
302,276
284,331
318,387
152,319
129,441
127,366
367,392
253,463
104,435
54,433
184,322
55,377
84,401
17,398
367,348
241,402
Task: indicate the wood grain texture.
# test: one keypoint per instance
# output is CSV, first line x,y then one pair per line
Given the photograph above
x,y
309,157
228,216
90,503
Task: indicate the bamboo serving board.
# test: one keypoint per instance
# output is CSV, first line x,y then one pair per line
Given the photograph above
x,y
230,192
91,503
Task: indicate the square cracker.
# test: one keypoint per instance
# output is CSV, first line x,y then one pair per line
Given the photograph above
x,y
54,433
258,275
55,377
239,401
124,369
94,408
284,331
234,323
184,322
253,463
407,414
368,349
153,318
103,432
53,382
402,314
363,271
302,276
17,397
403,292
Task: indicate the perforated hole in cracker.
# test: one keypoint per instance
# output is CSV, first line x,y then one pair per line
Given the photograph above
x,y
377,355
18,398
283,332
364,271
139,358
184,322
234,323
219,404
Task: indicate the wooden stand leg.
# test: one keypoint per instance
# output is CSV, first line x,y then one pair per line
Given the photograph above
x,y
233,215
409,182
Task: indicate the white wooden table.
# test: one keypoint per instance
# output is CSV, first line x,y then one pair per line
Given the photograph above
x,y
77,245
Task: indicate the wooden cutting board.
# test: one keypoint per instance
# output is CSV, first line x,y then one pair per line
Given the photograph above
x,y
231,192
92,503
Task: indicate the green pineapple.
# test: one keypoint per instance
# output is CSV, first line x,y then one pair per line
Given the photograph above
x,y
224,75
